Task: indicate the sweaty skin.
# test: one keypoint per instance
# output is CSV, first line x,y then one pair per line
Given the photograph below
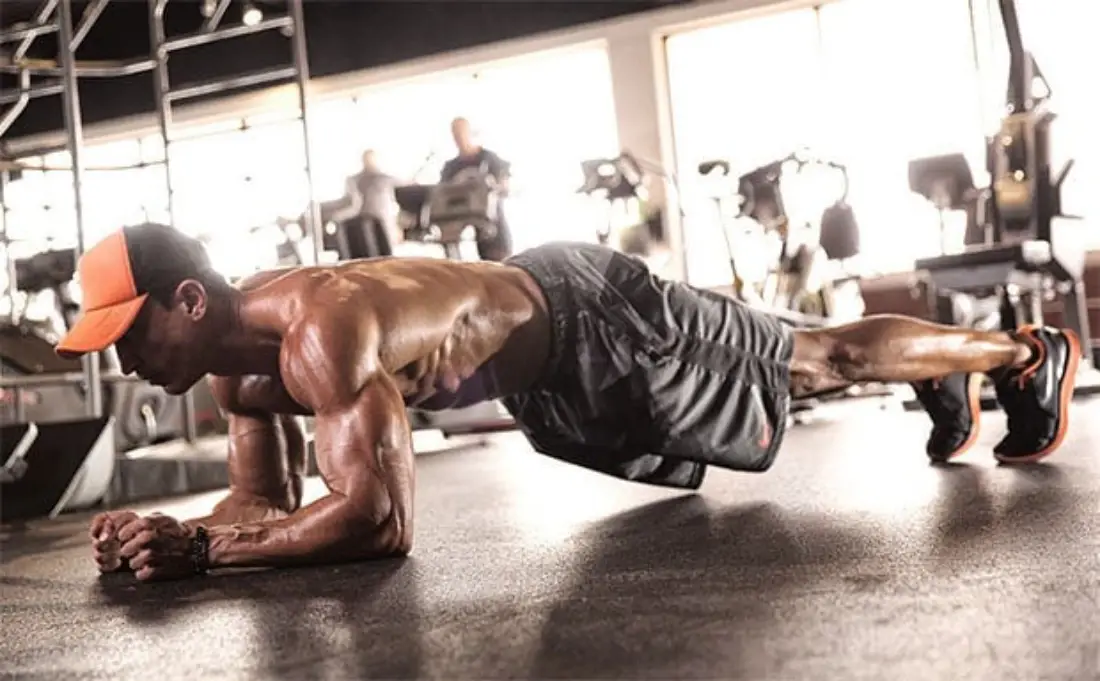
x,y
351,345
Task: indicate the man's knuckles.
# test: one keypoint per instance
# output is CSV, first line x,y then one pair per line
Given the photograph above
x,y
104,525
140,541
142,559
133,528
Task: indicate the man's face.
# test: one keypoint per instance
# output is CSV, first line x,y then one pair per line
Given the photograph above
x,y
369,161
164,346
460,130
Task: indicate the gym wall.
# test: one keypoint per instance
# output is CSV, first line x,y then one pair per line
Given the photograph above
x,y
236,174
874,98
559,113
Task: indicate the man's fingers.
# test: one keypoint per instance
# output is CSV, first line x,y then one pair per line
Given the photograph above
x,y
101,527
106,557
104,525
132,528
142,559
108,562
146,574
138,542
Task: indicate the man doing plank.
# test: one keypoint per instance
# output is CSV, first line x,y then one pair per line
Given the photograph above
x,y
602,364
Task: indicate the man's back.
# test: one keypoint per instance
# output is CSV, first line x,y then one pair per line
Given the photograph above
x,y
429,324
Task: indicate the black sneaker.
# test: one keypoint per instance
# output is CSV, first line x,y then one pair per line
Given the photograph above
x,y
954,405
1036,398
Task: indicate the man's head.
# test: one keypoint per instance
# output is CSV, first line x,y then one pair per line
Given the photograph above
x,y
370,160
150,291
463,136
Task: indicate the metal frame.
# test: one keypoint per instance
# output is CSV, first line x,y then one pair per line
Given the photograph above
x,y
56,16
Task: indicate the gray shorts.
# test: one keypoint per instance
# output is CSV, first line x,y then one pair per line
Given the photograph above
x,y
651,380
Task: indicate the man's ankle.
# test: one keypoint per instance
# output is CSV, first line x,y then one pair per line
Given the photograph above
x,y
1026,352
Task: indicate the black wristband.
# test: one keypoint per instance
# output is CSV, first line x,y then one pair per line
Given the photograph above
x,y
200,551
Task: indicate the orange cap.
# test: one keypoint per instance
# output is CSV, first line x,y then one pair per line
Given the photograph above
x,y
111,300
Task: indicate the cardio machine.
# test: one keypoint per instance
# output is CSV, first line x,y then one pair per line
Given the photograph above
x,y
1021,249
806,281
450,213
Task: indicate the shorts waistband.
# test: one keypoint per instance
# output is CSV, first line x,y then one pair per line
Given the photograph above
x,y
555,288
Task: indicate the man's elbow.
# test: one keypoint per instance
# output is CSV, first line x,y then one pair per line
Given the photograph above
x,y
381,532
387,541
366,541
397,534
403,546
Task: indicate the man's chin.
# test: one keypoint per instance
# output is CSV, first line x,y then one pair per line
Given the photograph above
x,y
175,388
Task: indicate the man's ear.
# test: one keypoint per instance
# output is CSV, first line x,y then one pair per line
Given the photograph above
x,y
191,296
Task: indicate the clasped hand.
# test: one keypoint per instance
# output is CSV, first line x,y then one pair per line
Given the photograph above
x,y
154,547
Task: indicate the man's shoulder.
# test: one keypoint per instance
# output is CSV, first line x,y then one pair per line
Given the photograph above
x,y
257,279
341,297
314,300
495,161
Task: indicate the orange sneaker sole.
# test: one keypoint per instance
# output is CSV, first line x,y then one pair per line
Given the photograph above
x,y
974,396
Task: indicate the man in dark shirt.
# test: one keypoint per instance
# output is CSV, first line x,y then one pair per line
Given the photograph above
x,y
473,159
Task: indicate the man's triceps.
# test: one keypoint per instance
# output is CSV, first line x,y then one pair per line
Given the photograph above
x,y
364,453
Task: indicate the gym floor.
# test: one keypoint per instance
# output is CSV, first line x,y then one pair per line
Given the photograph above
x,y
853,558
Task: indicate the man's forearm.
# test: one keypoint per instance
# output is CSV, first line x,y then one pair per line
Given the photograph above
x,y
266,471
239,507
332,529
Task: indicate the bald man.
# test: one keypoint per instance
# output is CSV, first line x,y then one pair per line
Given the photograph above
x,y
603,365
473,158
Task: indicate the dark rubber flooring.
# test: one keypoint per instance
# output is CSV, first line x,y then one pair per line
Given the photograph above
x,y
851,559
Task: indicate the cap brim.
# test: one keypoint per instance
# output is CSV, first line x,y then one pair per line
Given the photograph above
x,y
98,329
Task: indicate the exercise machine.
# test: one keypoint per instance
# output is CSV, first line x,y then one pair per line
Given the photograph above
x,y
807,278
450,213
803,276
1021,249
947,183
620,183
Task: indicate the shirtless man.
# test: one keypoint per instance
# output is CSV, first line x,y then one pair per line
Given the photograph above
x,y
601,363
